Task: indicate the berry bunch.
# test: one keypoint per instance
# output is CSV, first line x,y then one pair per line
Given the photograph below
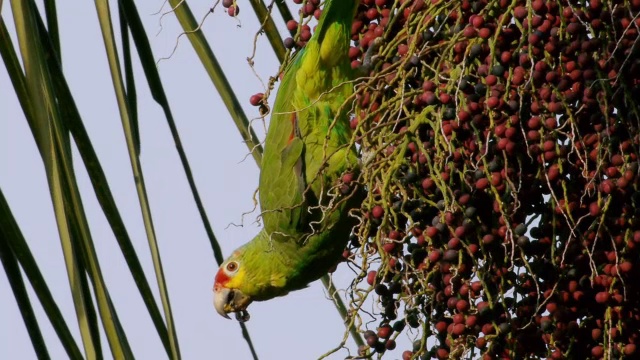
x,y
500,147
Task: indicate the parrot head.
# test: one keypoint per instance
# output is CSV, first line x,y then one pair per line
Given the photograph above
x,y
253,272
228,288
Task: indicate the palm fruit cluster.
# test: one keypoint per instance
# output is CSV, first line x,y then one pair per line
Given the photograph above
x,y
500,144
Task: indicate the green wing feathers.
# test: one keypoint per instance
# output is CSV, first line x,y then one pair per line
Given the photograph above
x,y
308,143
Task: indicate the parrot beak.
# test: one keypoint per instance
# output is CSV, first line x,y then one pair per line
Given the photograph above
x,y
220,301
231,300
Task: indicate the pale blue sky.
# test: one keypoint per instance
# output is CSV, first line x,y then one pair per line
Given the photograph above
x,y
303,324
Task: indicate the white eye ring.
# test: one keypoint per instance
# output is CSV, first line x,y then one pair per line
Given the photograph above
x,y
232,267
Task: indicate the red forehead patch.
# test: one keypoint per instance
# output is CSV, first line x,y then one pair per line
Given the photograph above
x,y
221,279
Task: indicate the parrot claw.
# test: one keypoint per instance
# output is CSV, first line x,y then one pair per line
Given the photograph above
x,y
366,157
242,316
369,56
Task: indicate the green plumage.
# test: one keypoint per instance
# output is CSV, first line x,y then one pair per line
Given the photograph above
x,y
306,151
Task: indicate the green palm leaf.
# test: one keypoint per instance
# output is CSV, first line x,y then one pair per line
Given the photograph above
x,y
35,70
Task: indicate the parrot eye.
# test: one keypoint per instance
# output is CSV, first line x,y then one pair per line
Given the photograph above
x,y
232,267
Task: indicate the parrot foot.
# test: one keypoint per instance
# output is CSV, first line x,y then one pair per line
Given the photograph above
x,y
366,158
369,56
243,316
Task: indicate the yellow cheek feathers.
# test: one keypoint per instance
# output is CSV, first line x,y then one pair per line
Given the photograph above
x,y
237,279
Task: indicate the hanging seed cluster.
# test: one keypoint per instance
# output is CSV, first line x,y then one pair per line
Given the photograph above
x,y
500,144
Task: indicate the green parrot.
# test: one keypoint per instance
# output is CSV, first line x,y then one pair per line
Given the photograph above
x,y
307,150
